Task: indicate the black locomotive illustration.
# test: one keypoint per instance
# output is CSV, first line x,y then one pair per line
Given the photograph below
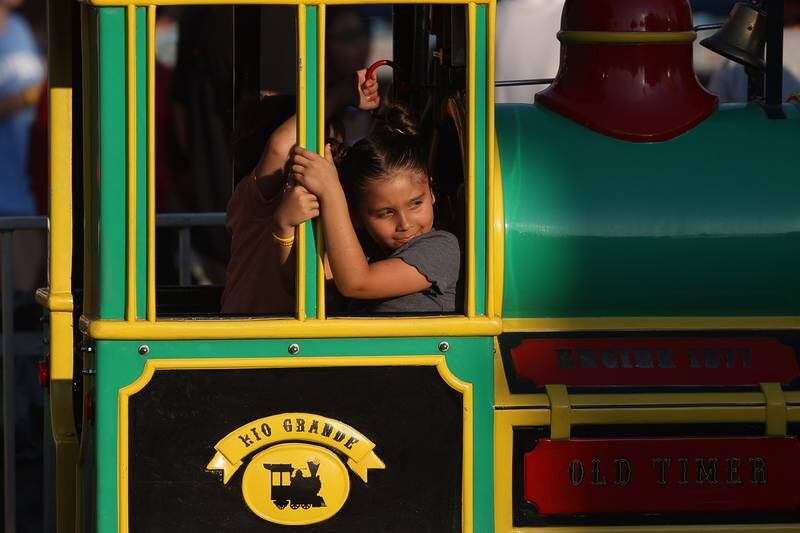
x,y
289,486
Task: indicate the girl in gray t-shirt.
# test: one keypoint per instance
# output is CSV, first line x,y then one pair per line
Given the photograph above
x,y
385,180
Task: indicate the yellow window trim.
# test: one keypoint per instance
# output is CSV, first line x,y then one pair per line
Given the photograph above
x,y
143,3
494,195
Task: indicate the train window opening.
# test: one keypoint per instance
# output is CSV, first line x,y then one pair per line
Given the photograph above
x,y
226,96
225,80
423,99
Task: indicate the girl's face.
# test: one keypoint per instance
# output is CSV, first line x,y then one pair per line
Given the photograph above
x,y
398,208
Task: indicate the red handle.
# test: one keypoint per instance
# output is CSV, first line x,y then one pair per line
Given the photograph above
x,y
373,67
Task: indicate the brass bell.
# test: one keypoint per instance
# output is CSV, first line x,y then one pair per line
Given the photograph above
x,y
742,38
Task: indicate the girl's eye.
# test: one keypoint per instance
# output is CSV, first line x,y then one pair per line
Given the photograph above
x,y
416,203
384,214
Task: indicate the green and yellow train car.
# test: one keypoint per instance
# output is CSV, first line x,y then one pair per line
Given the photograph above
x,y
625,357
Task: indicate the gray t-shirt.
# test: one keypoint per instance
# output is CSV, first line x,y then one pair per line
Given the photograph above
x,y
437,257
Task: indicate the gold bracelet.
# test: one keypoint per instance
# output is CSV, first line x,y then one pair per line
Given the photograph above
x,y
285,242
30,96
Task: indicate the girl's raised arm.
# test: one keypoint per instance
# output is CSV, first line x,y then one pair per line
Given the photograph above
x,y
268,172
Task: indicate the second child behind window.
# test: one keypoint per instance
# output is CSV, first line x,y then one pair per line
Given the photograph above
x,y
415,268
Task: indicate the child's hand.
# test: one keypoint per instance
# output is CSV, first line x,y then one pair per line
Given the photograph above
x,y
315,173
297,205
368,98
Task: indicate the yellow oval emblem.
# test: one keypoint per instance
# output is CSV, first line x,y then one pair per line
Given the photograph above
x,y
295,484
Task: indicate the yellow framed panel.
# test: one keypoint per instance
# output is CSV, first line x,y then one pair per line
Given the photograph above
x,y
437,361
504,423
282,329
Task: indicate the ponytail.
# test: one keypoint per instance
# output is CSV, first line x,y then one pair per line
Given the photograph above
x,y
393,144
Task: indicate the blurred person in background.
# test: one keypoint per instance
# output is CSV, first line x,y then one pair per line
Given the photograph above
x,y
21,75
729,81
527,47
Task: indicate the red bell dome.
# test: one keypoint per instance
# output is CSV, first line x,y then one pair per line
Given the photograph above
x,y
626,69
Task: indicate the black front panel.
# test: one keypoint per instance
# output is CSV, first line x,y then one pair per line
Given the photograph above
x,y
413,417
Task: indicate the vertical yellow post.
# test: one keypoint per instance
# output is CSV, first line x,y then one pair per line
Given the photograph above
x,y
130,85
151,163
471,161
321,145
491,259
300,243
59,20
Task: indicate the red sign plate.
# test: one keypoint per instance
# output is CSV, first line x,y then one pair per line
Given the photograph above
x,y
675,475
644,361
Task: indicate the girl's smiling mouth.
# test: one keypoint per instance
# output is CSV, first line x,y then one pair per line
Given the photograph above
x,y
406,240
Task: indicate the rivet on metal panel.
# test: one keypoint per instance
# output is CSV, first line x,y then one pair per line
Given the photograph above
x,y
294,349
776,409
144,349
560,412
444,346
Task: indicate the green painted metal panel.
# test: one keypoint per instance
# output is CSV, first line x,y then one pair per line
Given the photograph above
x,y
311,144
112,150
705,224
480,160
473,364
119,364
141,162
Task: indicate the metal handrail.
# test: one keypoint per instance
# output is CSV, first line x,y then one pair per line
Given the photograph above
x,y
27,222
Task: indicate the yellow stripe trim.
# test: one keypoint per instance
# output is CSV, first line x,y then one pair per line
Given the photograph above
x,y
283,329
321,311
512,325
491,187
152,365
130,85
471,161
626,37
151,164
498,232
300,243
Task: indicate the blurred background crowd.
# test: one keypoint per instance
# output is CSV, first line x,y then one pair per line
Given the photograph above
x,y
196,120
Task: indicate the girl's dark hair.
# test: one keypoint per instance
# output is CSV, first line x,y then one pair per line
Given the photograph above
x,y
393,144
